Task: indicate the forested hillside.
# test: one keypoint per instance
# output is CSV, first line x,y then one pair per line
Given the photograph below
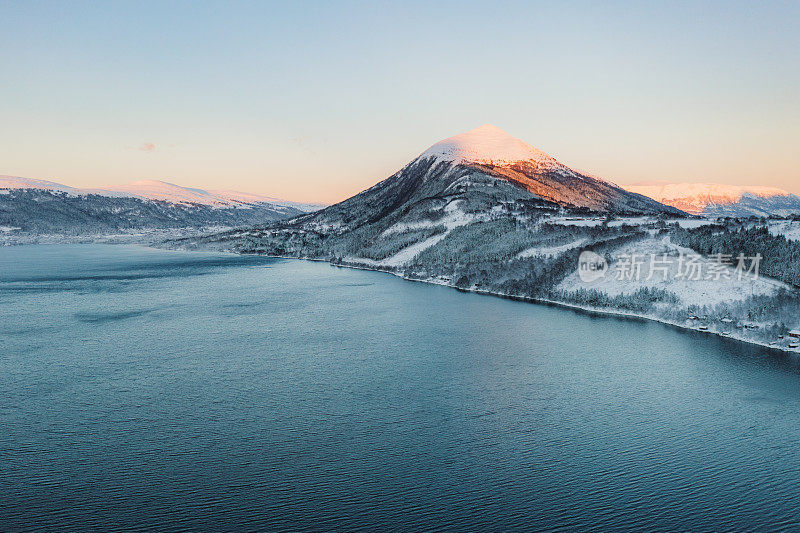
x,y
780,256
35,211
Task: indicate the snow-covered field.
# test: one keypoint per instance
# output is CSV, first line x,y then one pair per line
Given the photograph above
x,y
597,221
687,223
691,223
575,221
660,271
787,228
551,251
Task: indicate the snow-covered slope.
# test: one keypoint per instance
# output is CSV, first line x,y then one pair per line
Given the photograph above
x,y
250,198
159,190
16,182
31,208
488,144
483,166
716,199
169,192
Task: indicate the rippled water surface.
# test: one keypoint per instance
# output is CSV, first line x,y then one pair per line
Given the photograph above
x,y
150,389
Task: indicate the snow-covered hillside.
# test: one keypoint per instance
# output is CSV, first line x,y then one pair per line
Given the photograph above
x,y
716,199
159,190
482,167
16,182
34,210
788,228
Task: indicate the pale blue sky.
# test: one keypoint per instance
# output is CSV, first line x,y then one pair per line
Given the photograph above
x,y
318,100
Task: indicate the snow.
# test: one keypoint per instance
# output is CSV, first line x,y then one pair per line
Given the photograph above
x,y
596,221
250,198
169,192
631,221
701,292
572,221
551,251
789,229
453,206
402,257
453,218
407,254
488,144
686,223
694,197
15,182
160,190
690,223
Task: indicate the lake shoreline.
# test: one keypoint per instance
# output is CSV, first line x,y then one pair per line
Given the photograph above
x,y
553,303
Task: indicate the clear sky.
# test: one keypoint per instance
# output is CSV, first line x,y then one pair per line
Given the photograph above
x,y
316,101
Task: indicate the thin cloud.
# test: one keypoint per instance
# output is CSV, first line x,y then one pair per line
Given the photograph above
x,y
303,145
147,147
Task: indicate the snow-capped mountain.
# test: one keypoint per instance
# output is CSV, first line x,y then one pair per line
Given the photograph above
x,y
39,207
484,176
160,190
721,200
483,166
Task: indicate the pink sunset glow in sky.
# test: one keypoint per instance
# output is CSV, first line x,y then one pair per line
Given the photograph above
x,y
317,101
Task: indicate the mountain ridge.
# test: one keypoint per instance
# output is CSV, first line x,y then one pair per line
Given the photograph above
x,y
718,199
149,189
32,209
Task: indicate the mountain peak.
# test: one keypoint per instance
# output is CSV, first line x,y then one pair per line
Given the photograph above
x,y
487,144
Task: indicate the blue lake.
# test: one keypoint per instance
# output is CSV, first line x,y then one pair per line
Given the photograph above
x,y
147,389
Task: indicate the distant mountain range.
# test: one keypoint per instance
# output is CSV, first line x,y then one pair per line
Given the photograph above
x,y
470,175
720,200
30,206
160,190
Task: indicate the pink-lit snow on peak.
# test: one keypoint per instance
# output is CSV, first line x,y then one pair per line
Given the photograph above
x,y
487,144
